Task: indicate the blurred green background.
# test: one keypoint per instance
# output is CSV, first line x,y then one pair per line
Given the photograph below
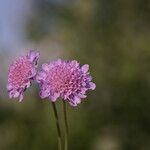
x,y
113,37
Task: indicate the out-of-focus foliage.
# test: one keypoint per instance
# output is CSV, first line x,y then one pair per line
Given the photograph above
x,y
113,36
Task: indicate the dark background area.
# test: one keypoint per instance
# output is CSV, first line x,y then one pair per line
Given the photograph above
x,y
113,37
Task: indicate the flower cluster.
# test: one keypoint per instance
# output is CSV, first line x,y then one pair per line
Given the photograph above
x,y
65,79
21,72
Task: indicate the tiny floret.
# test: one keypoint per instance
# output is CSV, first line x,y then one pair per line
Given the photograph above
x,y
65,79
21,72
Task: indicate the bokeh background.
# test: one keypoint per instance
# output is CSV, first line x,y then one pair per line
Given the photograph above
x,y
113,37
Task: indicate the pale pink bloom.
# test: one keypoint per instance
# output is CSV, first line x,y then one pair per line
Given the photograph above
x,y
65,79
21,72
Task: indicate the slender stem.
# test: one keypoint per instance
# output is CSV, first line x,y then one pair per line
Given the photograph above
x,y
58,126
66,125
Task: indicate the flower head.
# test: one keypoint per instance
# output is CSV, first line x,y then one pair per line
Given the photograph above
x,y
21,72
65,79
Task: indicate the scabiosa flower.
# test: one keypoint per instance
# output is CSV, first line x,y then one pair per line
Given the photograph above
x,y
65,79
21,72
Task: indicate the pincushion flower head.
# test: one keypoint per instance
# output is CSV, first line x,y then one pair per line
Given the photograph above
x,y
21,72
65,79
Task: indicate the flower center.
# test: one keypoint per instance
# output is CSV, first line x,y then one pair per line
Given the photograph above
x,y
20,72
62,79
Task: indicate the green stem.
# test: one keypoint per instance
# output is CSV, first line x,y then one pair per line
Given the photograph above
x,y
58,126
66,125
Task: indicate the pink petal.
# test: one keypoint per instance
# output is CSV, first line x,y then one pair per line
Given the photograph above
x,y
9,87
16,94
54,97
40,76
85,68
44,93
33,55
92,86
45,67
21,97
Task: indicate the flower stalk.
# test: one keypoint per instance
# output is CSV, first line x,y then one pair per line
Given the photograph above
x,y
66,126
58,126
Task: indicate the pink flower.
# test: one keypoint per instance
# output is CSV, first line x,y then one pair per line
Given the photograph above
x,y
65,79
21,72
